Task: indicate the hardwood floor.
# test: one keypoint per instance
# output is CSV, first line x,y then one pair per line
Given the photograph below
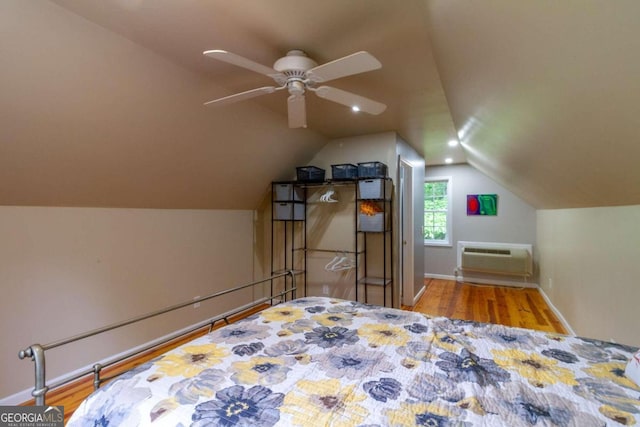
x,y
520,307
523,308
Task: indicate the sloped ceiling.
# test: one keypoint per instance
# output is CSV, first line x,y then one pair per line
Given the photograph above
x,y
544,94
102,100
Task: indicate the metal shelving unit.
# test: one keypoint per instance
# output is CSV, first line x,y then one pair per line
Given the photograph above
x,y
288,237
289,234
380,195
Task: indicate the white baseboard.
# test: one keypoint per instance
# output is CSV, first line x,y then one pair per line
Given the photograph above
x,y
499,282
559,315
438,276
419,295
16,399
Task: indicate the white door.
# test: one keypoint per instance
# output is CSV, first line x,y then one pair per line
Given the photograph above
x,y
405,245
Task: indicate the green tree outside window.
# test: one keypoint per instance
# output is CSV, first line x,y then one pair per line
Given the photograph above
x,y
436,211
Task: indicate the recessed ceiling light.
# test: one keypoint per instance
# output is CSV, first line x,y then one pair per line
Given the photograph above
x,y
355,108
453,142
448,160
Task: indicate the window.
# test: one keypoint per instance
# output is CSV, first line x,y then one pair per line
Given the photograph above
x,y
437,211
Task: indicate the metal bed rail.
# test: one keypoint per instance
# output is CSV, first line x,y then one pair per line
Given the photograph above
x,y
36,352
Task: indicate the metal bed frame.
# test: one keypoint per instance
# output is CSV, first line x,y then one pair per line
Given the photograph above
x,y
36,352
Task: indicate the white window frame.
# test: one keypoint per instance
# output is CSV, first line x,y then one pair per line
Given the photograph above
x,y
448,240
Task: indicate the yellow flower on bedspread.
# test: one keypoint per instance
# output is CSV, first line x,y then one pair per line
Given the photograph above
x,y
539,370
325,403
449,342
191,360
282,314
612,371
471,404
620,417
333,319
380,334
261,370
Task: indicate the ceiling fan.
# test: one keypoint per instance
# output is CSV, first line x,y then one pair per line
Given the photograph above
x,y
298,73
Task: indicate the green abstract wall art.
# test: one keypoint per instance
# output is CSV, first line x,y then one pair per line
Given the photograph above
x,y
482,204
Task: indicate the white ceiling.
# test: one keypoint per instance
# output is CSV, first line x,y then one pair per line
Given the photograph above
x,y
102,100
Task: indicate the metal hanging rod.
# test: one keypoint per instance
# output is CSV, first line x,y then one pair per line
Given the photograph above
x,y
340,251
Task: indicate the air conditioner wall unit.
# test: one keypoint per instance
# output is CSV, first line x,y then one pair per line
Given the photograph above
x,y
512,259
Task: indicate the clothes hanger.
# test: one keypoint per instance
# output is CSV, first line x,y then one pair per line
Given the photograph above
x,y
344,264
326,197
340,262
330,264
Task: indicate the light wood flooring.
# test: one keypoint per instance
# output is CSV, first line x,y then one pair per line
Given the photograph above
x,y
520,307
524,308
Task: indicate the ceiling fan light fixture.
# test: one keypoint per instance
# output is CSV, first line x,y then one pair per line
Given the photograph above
x,y
295,87
355,108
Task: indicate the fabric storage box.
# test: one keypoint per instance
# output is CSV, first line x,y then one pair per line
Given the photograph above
x,y
372,170
344,171
287,191
375,188
372,223
287,211
310,174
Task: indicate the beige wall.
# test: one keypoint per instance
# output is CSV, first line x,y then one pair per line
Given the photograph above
x,y
378,147
589,265
515,223
67,270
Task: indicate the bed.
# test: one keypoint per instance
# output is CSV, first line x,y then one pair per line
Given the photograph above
x,y
319,361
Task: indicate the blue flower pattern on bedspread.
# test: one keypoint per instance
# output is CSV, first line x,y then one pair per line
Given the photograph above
x,y
320,361
235,406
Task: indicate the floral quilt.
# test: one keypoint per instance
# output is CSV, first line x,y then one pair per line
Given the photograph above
x,y
328,362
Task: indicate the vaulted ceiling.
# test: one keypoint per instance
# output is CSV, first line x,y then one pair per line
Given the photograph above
x,y
101,101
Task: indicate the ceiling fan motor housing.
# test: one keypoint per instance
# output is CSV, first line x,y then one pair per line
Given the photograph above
x,y
295,64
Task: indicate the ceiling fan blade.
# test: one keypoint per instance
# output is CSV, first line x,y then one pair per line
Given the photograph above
x,y
350,99
242,95
355,63
297,111
240,61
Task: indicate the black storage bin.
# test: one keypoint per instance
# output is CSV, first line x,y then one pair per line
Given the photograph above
x,y
310,174
344,171
372,170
